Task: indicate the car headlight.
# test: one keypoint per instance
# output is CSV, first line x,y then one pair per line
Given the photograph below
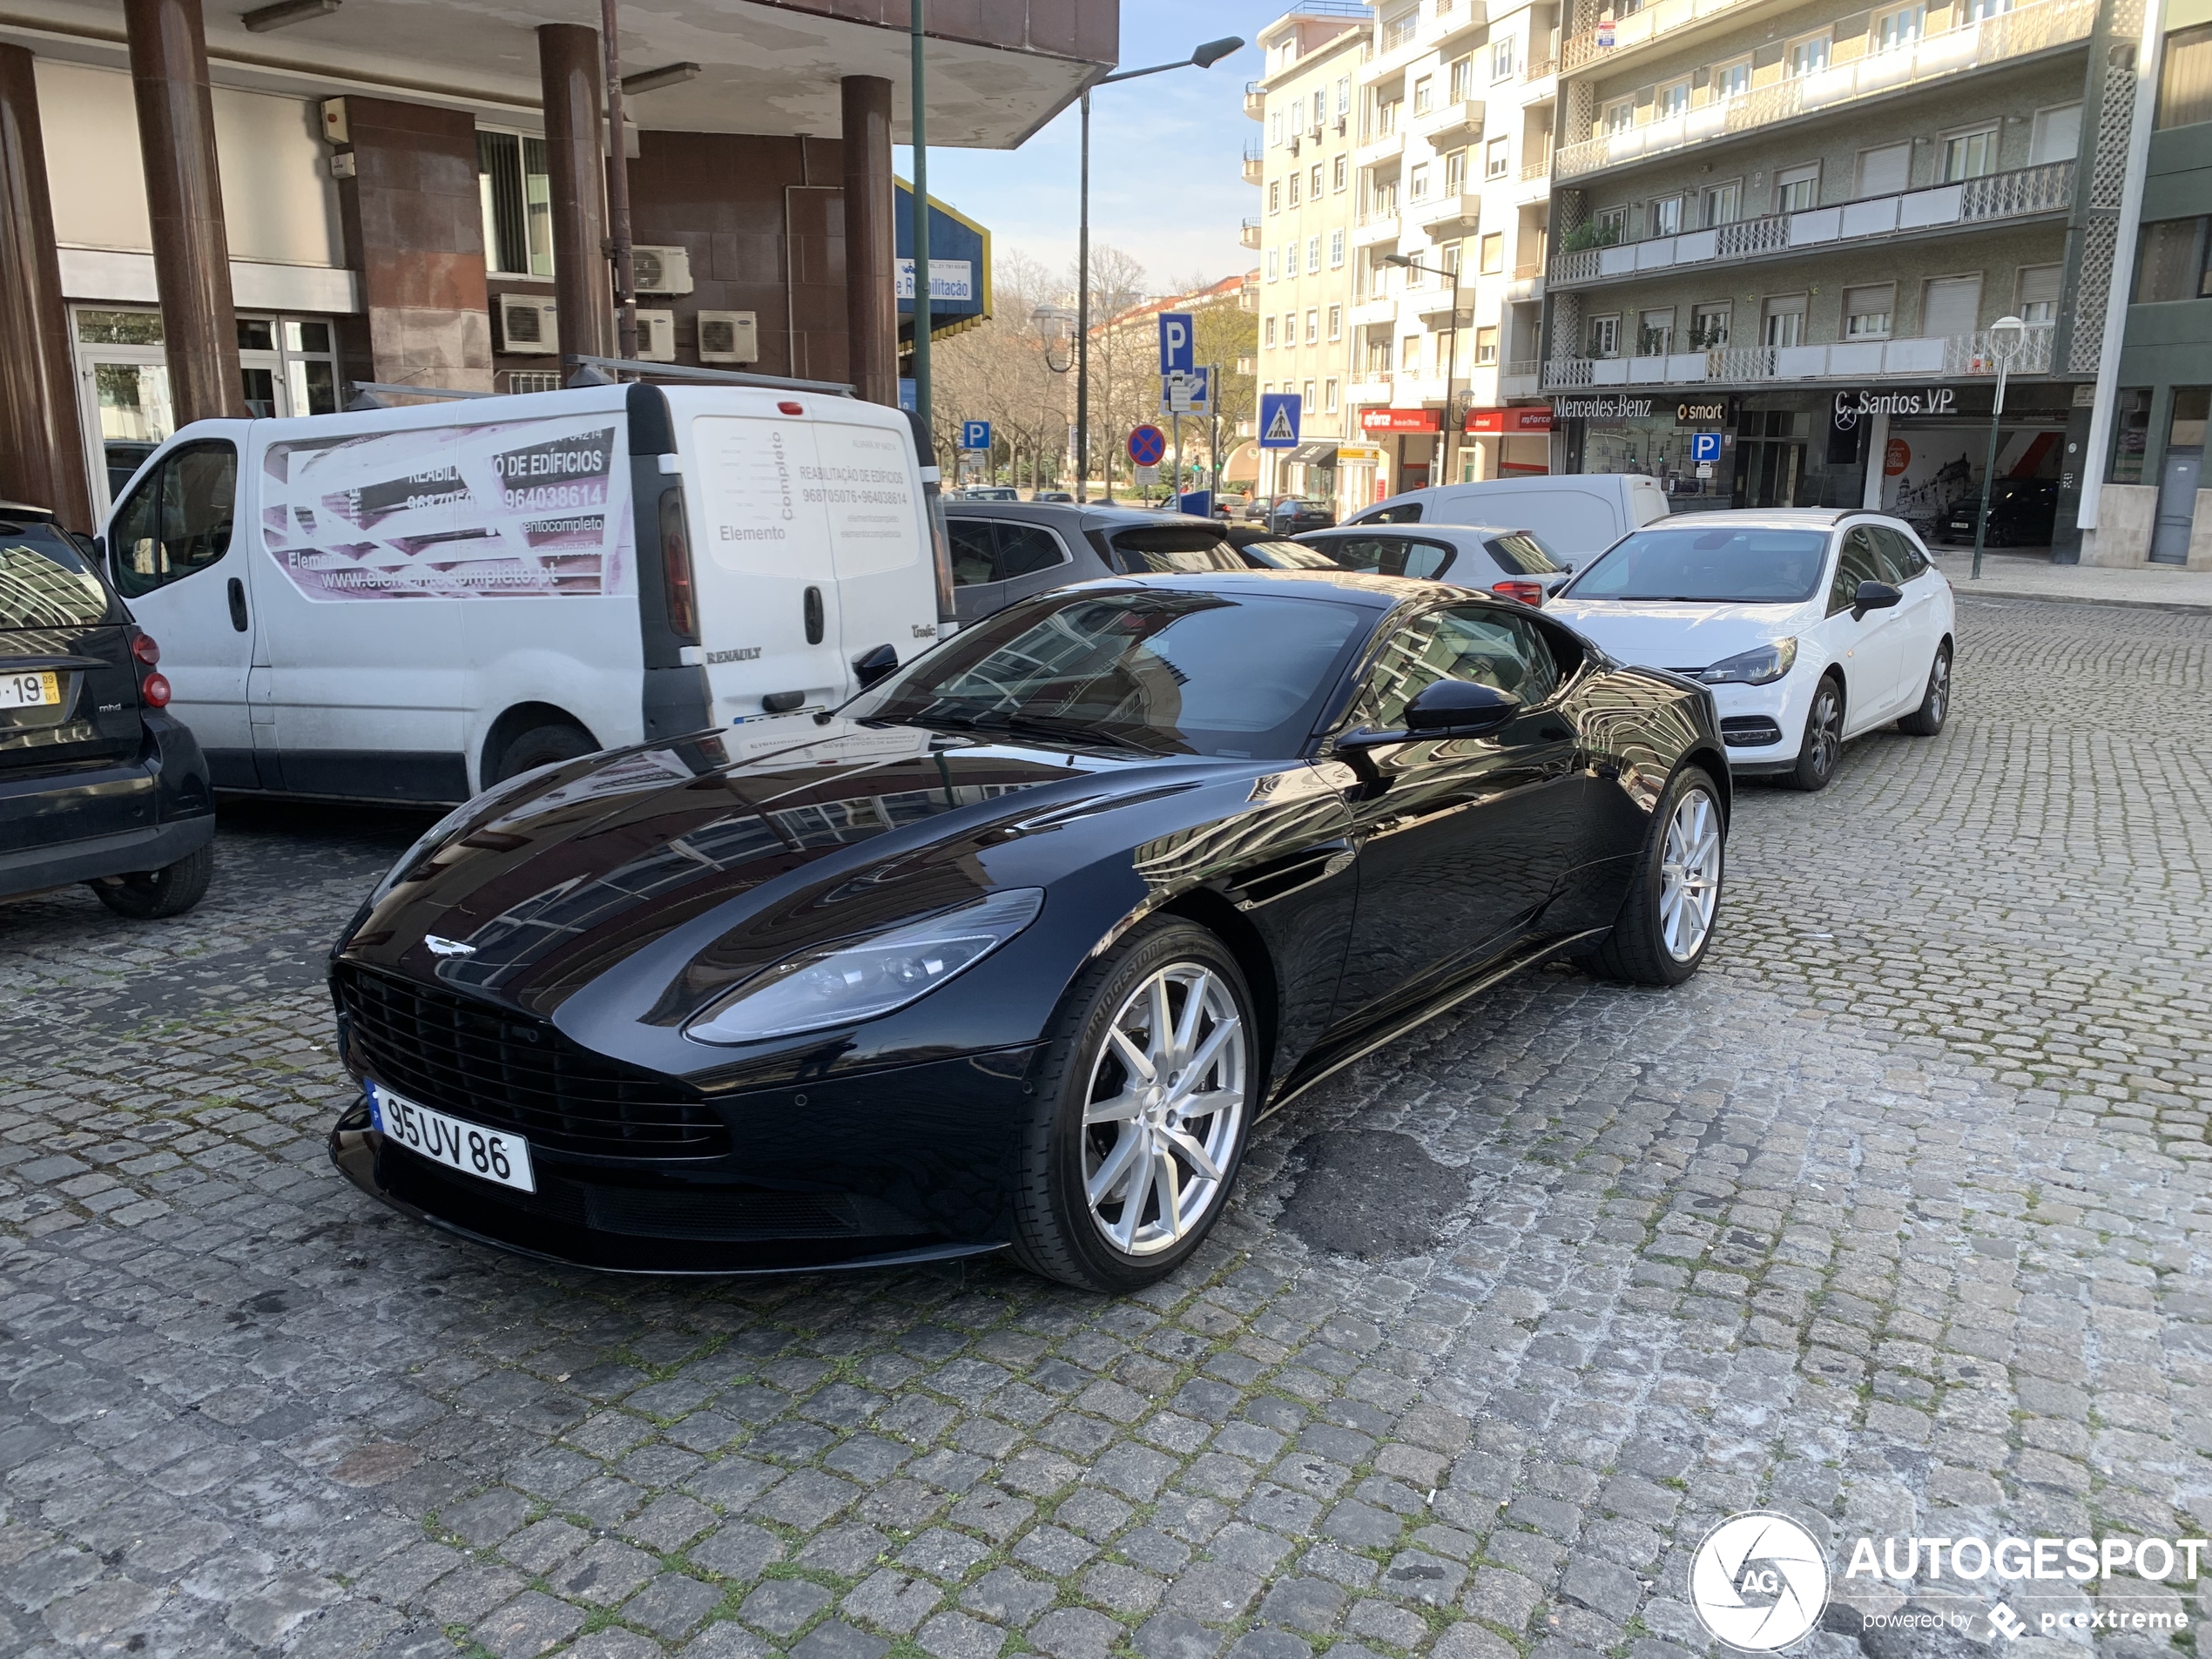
x,y
1761,667
858,978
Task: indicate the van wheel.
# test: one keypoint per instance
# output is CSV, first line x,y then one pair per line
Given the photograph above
x,y
541,745
152,895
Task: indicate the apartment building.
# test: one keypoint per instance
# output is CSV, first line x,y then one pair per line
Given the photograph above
x,y
1456,104
2153,507
1304,166
1795,222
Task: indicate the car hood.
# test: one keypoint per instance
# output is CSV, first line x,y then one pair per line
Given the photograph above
x,y
1678,635
703,852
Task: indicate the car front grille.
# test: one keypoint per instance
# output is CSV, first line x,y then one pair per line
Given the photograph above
x,y
1749,731
498,1067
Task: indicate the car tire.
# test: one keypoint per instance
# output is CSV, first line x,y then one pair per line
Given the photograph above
x,y
1823,740
1059,1231
1935,699
153,895
541,745
1683,860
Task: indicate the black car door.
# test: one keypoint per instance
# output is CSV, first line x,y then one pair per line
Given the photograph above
x,y
1460,841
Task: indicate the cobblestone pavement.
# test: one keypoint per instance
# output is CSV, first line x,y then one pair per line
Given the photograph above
x,y
1894,1219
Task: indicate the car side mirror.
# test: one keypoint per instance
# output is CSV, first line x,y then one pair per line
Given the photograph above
x,y
1458,709
873,665
1874,596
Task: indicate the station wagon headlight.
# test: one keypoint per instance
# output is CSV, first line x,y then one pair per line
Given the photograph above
x,y
859,979
1761,667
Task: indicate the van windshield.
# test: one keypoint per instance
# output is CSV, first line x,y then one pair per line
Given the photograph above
x,y
1723,564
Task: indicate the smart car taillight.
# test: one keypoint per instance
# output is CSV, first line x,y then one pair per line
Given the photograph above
x,y
676,568
143,647
1528,593
154,690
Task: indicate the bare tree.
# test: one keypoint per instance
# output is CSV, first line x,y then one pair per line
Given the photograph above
x,y
1124,380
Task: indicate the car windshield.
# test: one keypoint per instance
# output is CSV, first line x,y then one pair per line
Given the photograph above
x,y
1235,675
44,582
1718,564
1173,550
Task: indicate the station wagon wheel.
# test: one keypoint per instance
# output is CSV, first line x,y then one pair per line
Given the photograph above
x,y
1824,742
1935,701
1145,1096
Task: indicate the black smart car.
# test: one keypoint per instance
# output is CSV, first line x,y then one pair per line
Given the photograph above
x,y
1013,949
98,784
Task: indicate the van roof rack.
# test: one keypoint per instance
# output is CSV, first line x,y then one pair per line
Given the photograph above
x,y
370,394
605,371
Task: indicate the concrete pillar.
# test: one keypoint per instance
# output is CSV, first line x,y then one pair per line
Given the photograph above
x,y
575,153
42,455
191,261
871,291
1877,453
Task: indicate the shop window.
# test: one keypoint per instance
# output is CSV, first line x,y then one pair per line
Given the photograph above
x,y
2131,434
1485,347
1969,155
1494,254
1868,311
2185,78
517,195
2191,405
2174,262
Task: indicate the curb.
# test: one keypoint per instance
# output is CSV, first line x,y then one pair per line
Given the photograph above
x,y
1964,592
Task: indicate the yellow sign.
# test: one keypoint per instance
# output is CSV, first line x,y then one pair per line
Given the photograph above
x,y
1359,454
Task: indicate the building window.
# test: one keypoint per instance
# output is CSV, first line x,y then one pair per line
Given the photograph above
x,y
1655,333
1336,322
2185,78
1605,336
1969,155
1664,216
1313,326
1290,328
1806,56
1298,116
1294,185
2039,293
1783,320
1313,185
1612,226
1494,254
1336,250
1270,264
1313,256
1344,97
1797,189
1502,62
1329,397
1338,178
1497,157
1424,95
1709,327
1455,172
1275,196
1670,100
2174,263
1730,80
1417,183
1886,169
1409,355
1723,203
1462,78
1485,347
517,203
1275,126
1309,394
2130,435
1975,10
1618,115
1899,27
1271,331
1867,311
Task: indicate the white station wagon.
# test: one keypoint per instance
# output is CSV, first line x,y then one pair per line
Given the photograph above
x,y
1811,626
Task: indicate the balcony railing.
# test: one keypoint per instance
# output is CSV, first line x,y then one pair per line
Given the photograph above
x,y
1378,147
1375,228
2022,193
1537,69
2035,27
1460,115
1929,357
1255,165
1641,27
1248,233
1459,207
1533,169
1256,100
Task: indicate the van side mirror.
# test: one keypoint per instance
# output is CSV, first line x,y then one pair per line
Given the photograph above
x,y
872,665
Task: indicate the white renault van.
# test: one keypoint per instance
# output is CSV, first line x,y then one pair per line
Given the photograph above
x,y
409,604
1578,515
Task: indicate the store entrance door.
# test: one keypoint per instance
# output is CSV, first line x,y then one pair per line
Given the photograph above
x,y
1767,472
2177,488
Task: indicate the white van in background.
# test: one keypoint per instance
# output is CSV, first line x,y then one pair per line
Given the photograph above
x,y
1577,515
409,604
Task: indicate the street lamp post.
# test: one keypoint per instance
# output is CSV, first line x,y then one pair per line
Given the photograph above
x,y
1205,57
1052,324
2006,336
1451,351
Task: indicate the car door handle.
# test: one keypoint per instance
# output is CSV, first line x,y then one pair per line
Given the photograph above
x,y
237,590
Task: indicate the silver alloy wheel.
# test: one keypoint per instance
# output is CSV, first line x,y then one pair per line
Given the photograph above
x,y
1690,875
1938,687
1164,1107
1825,733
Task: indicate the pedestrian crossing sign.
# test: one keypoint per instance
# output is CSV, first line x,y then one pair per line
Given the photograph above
x,y
1279,414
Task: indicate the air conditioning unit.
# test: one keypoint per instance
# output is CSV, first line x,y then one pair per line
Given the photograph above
x,y
527,327
657,336
729,337
661,270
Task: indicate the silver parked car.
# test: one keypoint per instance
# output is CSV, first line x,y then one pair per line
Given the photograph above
x,y
1513,564
1007,550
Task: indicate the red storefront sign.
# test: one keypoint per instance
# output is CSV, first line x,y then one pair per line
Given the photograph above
x,y
1400,420
1534,417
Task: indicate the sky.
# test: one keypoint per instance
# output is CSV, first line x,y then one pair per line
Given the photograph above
x,y
1165,156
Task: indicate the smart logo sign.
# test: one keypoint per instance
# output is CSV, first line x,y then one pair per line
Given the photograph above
x,y
1760,1583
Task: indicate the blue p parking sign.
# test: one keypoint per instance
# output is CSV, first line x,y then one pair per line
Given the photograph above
x,y
974,434
1705,446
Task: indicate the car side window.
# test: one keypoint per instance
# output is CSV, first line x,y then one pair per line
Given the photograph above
x,y
1483,646
1024,550
1901,561
1426,560
1389,555
974,560
1857,563
178,519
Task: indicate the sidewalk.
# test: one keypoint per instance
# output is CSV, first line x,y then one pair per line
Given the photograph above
x,y
2009,575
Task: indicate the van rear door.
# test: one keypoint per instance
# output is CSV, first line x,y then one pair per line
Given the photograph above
x,y
870,480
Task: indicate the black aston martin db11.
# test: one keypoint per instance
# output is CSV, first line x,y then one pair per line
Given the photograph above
x,y
1012,949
